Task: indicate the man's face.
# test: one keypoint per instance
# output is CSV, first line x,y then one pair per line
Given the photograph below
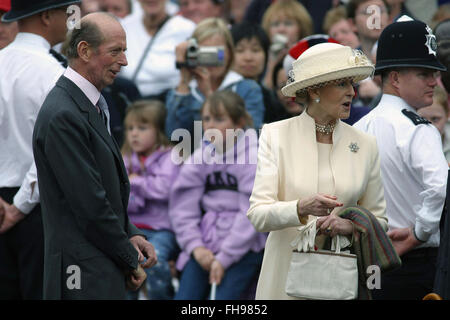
x,y
416,86
371,18
105,62
8,31
197,10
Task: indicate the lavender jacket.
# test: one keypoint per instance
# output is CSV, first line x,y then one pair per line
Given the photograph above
x,y
149,193
209,202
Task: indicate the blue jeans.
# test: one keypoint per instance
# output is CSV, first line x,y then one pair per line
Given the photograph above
x,y
194,282
159,277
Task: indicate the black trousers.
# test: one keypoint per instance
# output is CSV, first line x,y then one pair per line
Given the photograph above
x,y
413,280
22,255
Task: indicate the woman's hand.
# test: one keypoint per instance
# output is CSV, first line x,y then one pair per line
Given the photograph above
x,y
185,73
216,273
203,78
317,205
204,257
333,225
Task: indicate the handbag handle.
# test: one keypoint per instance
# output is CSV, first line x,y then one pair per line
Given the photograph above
x,y
306,237
336,243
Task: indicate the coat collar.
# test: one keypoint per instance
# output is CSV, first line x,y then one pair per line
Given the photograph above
x,y
89,109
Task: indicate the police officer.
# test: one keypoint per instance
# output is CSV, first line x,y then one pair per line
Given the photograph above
x,y
28,72
413,166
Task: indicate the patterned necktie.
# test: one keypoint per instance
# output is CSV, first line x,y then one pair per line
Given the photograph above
x,y
59,57
104,112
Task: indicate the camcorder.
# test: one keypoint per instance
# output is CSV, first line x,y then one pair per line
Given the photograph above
x,y
279,42
207,56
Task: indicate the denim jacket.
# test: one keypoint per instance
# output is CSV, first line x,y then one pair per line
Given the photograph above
x,y
183,110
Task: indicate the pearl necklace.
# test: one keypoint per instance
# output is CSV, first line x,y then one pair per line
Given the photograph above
x,y
325,129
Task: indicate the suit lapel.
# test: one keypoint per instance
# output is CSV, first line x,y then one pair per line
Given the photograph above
x,y
94,118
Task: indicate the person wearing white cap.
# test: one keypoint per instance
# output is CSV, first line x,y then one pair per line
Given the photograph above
x,y
413,166
313,165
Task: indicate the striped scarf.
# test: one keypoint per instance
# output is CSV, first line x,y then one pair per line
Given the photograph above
x,y
371,245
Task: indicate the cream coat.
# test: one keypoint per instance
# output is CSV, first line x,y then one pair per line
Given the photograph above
x,y
288,170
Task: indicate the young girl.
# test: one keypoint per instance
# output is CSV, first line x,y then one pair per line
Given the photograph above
x,y
151,172
209,202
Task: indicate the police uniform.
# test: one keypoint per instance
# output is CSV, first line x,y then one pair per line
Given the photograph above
x,y
28,72
413,167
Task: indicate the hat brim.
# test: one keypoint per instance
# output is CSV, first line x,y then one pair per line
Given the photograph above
x,y
14,15
428,64
355,73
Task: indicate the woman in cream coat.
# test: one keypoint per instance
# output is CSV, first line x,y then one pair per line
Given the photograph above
x,y
314,164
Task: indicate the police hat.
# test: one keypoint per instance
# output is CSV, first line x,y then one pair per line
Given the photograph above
x,y
407,43
25,8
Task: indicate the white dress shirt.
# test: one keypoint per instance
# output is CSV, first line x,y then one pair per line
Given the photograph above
x,y
413,168
28,73
158,72
89,90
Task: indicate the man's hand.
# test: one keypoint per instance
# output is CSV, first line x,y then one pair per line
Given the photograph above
x,y
11,215
403,240
204,257
145,250
136,278
216,273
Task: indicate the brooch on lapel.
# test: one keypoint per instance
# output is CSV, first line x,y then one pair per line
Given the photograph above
x,y
353,147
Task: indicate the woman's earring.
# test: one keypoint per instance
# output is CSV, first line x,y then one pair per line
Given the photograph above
x,y
317,100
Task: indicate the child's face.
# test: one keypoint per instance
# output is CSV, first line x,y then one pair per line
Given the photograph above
x,y
220,122
436,115
141,137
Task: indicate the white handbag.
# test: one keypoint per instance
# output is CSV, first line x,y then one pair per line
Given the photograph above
x,y
321,274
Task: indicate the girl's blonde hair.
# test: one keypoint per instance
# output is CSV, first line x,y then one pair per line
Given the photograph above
x,y
233,104
215,26
291,9
440,96
151,112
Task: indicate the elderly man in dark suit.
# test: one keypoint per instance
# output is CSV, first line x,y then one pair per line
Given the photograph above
x,y
92,251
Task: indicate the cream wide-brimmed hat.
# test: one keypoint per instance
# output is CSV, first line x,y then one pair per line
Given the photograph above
x,y
326,62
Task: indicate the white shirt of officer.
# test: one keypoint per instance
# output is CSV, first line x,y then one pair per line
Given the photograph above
x,y
413,167
28,73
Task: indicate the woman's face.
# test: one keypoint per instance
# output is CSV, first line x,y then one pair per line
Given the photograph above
x,y
284,25
335,100
292,107
217,40
249,58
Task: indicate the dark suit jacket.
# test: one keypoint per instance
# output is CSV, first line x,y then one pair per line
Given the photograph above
x,y
84,192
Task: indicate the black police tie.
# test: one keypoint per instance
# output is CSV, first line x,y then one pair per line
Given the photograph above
x,y
59,57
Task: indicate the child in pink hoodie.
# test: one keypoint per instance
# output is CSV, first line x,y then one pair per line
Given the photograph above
x,y
209,201
147,157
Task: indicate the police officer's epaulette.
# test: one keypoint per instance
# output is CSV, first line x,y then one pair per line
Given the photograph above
x,y
415,118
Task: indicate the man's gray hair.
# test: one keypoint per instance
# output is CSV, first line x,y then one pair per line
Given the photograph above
x,y
89,32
